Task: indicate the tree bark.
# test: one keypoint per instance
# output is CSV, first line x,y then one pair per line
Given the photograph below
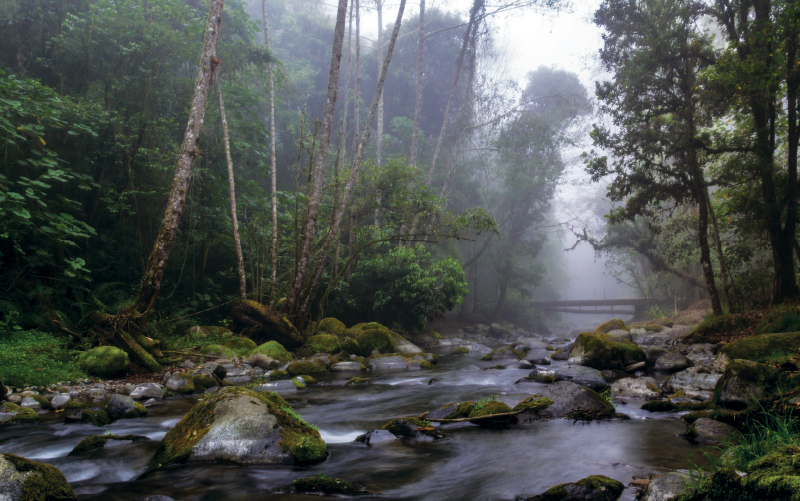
x,y
232,188
357,100
723,268
154,271
321,161
379,124
273,164
412,160
337,218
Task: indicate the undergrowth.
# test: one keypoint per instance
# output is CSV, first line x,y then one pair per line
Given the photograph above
x,y
36,358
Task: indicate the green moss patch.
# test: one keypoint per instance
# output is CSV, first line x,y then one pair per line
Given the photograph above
x,y
595,487
105,362
461,350
44,483
21,414
614,324
278,374
96,417
305,367
323,343
274,349
763,347
96,442
375,339
602,351
242,346
331,325
488,409
534,404
36,358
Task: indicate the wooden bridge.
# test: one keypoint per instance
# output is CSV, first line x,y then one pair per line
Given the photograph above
x,y
595,306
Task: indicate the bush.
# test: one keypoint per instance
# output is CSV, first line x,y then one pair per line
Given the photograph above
x,y
404,286
36,358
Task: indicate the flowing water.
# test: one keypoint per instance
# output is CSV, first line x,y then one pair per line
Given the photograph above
x,y
471,463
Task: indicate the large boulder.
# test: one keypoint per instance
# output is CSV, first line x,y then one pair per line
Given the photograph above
x,y
124,407
323,343
593,488
635,388
260,323
709,432
672,362
665,487
146,391
614,324
262,361
574,401
744,383
104,362
275,351
601,351
762,347
584,376
694,382
240,426
331,325
305,368
13,413
25,480
370,340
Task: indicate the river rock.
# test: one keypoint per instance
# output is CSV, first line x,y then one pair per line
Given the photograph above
x,y
376,437
181,382
505,353
219,370
601,351
347,367
653,353
104,362
621,333
95,442
563,353
652,338
584,376
710,432
60,400
30,403
399,363
636,388
282,386
187,364
574,401
477,349
403,345
695,382
665,487
593,488
236,425
672,362
744,383
538,357
703,352
498,330
22,480
123,406
262,361
147,391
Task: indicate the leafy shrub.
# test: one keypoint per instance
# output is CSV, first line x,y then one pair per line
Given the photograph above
x,y
36,358
404,286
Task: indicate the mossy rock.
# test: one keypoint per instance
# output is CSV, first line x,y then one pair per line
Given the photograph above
x,y
534,404
350,345
331,325
217,349
305,367
489,408
274,349
375,339
308,379
322,484
21,414
73,405
324,343
298,384
411,427
461,350
105,362
544,379
237,425
138,411
187,389
595,487
504,353
763,347
278,374
356,381
612,325
602,351
43,402
744,384
98,418
241,345
96,442
33,481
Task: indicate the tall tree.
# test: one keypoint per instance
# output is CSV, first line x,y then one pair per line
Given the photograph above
x,y
273,163
154,270
412,159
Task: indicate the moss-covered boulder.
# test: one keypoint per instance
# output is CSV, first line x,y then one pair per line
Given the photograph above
x,y
412,427
762,347
744,383
380,340
217,350
350,345
486,414
305,367
104,362
261,323
241,345
593,488
614,324
124,407
710,432
323,343
274,350
25,480
94,417
95,442
181,383
504,353
457,410
572,401
601,351
18,414
533,405
327,486
240,426
331,325
461,350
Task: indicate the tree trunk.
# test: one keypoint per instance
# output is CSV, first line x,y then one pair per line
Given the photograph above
x,y
321,161
357,100
154,271
412,159
379,124
232,189
723,268
337,218
273,164
343,120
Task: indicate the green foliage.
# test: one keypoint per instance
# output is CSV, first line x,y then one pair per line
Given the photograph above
x,y
404,286
36,358
480,404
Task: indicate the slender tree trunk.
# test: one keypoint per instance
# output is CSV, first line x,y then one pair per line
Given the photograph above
x,y
321,161
412,160
154,271
232,188
357,100
339,213
273,163
379,124
343,121
723,268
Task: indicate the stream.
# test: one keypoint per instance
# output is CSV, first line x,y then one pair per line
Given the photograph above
x,y
471,463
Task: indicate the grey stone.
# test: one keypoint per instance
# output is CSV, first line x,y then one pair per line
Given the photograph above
x,y
30,403
218,370
166,377
584,376
376,437
538,357
262,361
478,349
710,432
702,352
187,364
176,383
346,367
635,388
235,373
60,400
118,405
147,390
695,382
150,403
654,353
621,333
403,345
238,380
651,338
672,362
390,363
569,397
13,482
282,386
665,487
